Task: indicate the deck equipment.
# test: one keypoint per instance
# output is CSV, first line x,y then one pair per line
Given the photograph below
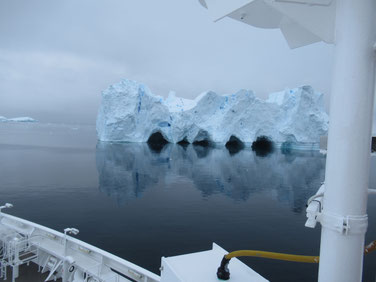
x,y
59,255
351,26
340,206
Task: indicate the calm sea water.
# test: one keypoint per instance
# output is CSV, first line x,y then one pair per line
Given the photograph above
x,y
142,203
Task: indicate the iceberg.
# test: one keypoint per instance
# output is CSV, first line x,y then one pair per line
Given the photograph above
x,y
17,119
130,112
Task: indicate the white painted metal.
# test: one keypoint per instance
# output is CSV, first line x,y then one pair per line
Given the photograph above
x,y
68,260
348,159
219,9
305,23
60,255
352,23
302,22
202,266
314,208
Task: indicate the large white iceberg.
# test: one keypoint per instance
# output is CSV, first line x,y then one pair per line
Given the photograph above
x,y
17,119
129,112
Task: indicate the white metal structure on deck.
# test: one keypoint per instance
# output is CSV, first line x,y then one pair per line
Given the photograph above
x,y
60,255
202,266
351,26
302,22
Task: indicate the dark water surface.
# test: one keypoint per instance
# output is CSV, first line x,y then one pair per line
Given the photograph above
x,y
142,203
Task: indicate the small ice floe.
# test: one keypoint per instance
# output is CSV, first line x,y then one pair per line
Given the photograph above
x,y
323,152
17,119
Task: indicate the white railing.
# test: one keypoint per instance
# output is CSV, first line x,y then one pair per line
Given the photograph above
x,y
19,236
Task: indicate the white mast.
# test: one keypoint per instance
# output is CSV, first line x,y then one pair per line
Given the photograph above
x,y
351,26
344,219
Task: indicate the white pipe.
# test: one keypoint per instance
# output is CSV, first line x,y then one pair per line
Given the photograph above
x,y
314,197
344,218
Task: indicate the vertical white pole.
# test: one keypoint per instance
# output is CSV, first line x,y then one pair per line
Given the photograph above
x,y
65,263
16,258
344,218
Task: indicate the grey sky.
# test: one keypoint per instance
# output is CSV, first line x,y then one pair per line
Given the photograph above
x,y
57,56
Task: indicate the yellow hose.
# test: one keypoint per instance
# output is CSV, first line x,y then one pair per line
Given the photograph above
x,y
280,256
370,247
271,255
223,272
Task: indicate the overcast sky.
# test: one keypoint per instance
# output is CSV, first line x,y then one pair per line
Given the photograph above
x,y
57,56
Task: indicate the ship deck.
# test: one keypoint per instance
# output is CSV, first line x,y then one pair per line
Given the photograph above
x,y
28,273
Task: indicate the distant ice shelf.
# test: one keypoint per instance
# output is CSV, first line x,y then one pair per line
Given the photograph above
x,y
129,112
17,119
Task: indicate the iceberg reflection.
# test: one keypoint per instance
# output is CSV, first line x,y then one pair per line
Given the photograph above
x,y
126,170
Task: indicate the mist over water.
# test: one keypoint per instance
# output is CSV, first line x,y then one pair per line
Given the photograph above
x,y
141,202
